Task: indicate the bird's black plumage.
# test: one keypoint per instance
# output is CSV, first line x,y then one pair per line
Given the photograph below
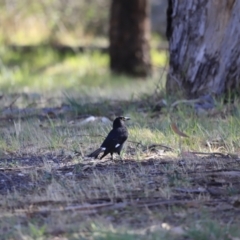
x,y
114,141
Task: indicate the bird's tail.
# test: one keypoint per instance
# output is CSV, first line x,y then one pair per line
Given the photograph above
x,y
95,153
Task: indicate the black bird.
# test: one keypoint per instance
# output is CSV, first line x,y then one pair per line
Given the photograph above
x,y
114,140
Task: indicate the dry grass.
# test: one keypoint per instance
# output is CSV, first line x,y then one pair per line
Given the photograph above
x,y
51,192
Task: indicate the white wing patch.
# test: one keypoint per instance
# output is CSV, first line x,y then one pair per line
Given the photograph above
x,y
103,148
117,145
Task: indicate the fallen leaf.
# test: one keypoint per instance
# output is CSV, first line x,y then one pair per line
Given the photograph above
x,y
177,131
194,190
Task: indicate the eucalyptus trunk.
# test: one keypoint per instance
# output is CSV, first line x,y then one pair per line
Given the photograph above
x,y
204,46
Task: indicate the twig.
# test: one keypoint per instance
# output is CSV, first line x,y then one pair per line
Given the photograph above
x,y
215,154
3,174
175,79
137,143
88,135
122,205
184,101
151,146
18,169
14,100
160,145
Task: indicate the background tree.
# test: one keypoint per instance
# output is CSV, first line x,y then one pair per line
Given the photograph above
x,y
129,37
204,46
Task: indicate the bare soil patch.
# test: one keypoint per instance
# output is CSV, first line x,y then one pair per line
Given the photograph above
x,y
128,193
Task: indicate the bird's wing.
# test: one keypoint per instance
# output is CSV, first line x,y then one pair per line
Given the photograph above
x,y
114,139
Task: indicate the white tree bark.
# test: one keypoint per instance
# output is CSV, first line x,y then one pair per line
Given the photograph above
x,y
204,45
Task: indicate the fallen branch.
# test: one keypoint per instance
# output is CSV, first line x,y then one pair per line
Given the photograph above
x,y
93,208
214,154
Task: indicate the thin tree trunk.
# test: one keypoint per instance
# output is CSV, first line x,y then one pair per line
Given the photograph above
x,y
129,37
204,45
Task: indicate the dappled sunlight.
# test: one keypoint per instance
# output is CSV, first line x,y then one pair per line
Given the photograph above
x,y
83,73
177,176
146,135
159,58
80,65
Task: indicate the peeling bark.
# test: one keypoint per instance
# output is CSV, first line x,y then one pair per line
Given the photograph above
x,y
204,46
129,37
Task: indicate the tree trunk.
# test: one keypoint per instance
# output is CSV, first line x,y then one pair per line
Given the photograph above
x,y
204,45
129,37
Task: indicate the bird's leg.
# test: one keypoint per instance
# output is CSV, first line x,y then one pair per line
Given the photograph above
x,y
104,154
111,156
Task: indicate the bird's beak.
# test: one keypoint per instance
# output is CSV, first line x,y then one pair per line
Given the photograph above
x,y
126,118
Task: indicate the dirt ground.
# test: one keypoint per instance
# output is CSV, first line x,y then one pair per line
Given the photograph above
x,y
129,193
49,190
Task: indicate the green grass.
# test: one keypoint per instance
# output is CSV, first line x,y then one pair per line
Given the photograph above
x,y
50,191
84,75
210,229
